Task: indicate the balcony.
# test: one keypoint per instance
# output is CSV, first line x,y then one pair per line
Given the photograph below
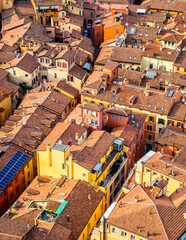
x,y
113,171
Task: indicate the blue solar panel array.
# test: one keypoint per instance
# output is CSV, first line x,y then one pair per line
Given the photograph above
x,y
11,168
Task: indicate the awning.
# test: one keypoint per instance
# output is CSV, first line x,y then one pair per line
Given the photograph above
x,y
141,11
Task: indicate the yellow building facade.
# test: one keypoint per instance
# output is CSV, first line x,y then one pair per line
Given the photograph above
x,y
147,175
5,106
56,161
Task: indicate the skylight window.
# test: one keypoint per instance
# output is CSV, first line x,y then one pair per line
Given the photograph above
x,y
161,109
149,106
170,93
130,57
120,99
146,35
140,34
169,53
134,58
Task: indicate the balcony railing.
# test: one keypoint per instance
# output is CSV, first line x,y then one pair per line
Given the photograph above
x,y
113,171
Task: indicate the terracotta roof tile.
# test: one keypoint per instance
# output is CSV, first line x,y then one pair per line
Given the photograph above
x,y
92,106
171,138
93,149
26,62
77,72
66,132
147,218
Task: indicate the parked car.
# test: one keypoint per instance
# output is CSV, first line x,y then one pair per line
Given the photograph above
x,y
85,33
89,26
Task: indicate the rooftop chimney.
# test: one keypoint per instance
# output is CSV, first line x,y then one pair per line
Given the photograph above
x,y
77,136
147,93
126,81
136,199
147,86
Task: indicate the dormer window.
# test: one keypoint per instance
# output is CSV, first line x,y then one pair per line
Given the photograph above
x,y
113,90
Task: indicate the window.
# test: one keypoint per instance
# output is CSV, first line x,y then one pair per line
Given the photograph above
x,y
113,116
55,75
161,121
47,61
41,60
151,119
97,34
97,123
63,166
84,175
14,72
149,127
160,130
101,2
108,3
26,75
17,189
10,188
120,118
91,14
93,113
149,137
123,234
28,174
117,31
64,65
129,161
28,165
114,230
132,237
7,2
65,110
58,64
86,111
150,66
171,123
179,125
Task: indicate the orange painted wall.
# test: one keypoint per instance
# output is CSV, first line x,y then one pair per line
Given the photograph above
x,y
110,32
98,33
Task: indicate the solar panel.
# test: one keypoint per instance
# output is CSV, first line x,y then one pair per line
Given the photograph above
x,y
11,168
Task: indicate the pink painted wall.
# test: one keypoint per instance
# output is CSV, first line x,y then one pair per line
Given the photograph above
x,y
105,6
